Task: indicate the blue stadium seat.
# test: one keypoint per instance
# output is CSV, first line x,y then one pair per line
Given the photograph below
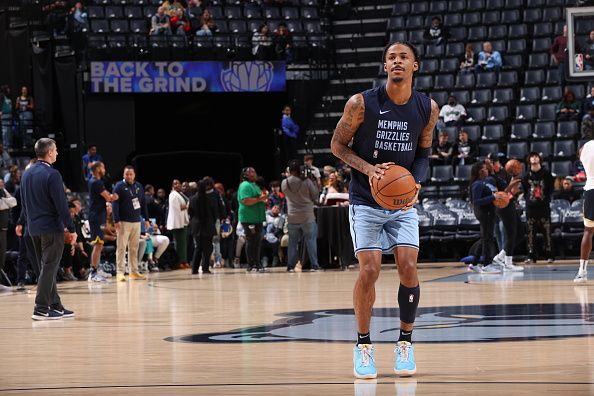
x,y
465,81
401,8
541,44
477,33
567,129
474,132
139,26
471,18
438,7
462,172
532,15
547,111
564,148
516,46
441,97
542,147
492,132
544,130
534,77
476,115
96,12
454,50
503,95
530,94
290,13
481,96
419,7
517,150
518,30
114,12
487,148
442,173
491,17
486,80
454,20
463,97
456,6
498,32
561,168
498,114
521,130
526,112
449,65
543,29
511,16
252,12
444,81
507,79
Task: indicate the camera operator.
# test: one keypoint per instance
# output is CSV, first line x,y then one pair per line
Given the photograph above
x,y
301,193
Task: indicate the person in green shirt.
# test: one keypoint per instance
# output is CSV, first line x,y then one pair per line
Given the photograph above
x,y
569,107
252,214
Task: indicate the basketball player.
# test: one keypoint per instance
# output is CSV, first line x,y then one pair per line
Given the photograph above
x,y
587,158
391,124
98,196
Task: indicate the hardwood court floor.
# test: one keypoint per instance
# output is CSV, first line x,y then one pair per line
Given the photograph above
x,y
513,336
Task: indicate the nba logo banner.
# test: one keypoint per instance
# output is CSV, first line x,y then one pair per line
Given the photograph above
x,y
173,77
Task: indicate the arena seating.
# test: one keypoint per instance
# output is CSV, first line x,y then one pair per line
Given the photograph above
x,y
125,24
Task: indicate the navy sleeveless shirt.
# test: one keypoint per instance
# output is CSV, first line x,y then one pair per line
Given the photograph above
x,y
389,133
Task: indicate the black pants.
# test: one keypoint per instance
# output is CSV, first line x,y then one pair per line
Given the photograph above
x,y
486,218
202,252
253,242
540,221
48,250
27,258
509,218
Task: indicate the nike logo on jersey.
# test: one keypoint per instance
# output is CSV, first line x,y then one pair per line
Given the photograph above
x,y
384,112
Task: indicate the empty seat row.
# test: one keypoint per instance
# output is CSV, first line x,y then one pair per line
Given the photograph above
x,y
502,95
442,6
229,12
520,131
223,26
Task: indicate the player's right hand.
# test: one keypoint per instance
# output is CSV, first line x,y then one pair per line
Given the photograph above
x,y
377,171
114,197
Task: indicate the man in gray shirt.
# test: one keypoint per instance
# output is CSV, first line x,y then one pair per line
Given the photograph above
x,y
301,193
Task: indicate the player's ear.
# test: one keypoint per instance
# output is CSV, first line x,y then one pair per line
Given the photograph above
x,y
416,66
385,67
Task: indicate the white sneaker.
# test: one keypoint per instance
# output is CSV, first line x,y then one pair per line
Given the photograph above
x,y
475,268
492,269
581,277
512,268
104,274
217,264
96,277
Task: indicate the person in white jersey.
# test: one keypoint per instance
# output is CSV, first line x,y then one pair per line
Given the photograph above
x,y
587,158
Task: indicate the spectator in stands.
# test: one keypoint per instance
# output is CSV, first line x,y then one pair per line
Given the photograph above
x,y
207,24
467,61
276,197
160,23
589,101
6,115
194,9
452,113
558,52
13,179
251,214
564,189
577,169
80,21
489,59
589,52
290,131
159,244
588,125
436,33
5,159
57,16
569,108
177,222
482,196
273,232
334,191
441,152
89,159
283,43
180,23
308,160
301,196
24,105
465,150
262,44
155,210
537,185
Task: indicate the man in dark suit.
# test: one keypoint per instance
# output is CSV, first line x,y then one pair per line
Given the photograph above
x,y
46,209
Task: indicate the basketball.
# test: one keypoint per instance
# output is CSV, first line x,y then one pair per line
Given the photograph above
x,y
501,199
513,167
395,189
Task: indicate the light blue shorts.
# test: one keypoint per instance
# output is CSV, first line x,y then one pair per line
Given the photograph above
x,y
381,229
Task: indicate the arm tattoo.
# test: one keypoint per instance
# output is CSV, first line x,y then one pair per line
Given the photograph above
x,y
426,137
352,118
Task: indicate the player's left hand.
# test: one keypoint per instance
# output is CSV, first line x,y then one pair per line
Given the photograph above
x,y
414,200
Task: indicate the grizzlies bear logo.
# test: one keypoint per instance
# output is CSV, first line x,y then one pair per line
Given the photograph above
x,y
475,323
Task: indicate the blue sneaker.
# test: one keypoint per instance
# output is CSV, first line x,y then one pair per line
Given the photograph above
x,y
49,315
364,361
405,359
66,313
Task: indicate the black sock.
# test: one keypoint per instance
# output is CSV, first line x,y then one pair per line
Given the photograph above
x,y
405,336
363,339
93,270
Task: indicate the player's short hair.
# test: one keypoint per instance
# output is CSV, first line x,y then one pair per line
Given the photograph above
x,y
408,44
129,167
43,146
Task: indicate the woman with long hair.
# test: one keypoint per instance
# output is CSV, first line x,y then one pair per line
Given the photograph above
x,y
482,196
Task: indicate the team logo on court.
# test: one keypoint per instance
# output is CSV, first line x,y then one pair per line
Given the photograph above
x,y
247,77
475,323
